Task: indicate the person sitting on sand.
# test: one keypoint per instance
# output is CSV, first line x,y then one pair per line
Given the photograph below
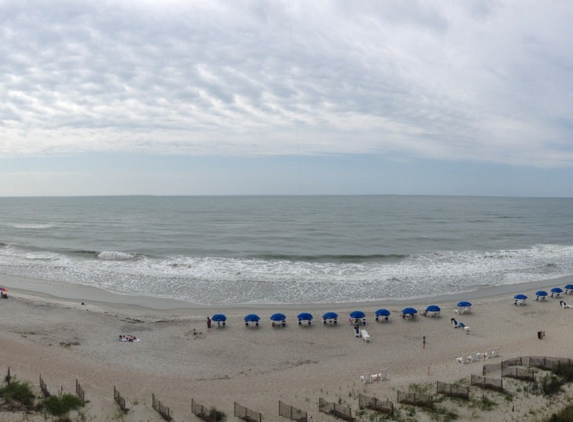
x,y
4,295
194,332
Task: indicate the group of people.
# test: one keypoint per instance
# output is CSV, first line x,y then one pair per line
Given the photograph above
x,y
128,337
4,295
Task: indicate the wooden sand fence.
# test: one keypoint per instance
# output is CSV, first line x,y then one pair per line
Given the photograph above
x,y
8,377
545,362
292,413
415,399
44,387
335,409
202,412
118,398
247,414
80,392
164,411
452,390
512,362
372,403
491,367
516,372
483,382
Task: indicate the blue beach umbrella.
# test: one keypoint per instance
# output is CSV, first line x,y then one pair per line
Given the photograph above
x,y
464,304
219,318
331,316
569,286
541,293
382,312
410,311
357,314
557,290
252,318
305,316
520,297
433,308
278,317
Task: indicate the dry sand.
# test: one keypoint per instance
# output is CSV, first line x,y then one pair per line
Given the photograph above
x,y
63,340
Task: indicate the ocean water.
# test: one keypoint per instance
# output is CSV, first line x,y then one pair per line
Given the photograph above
x,y
287,249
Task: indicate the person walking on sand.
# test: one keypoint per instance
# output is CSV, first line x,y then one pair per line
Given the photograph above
x,y
424,342
208,324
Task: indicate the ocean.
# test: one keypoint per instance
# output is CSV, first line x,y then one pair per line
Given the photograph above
x,y
286,249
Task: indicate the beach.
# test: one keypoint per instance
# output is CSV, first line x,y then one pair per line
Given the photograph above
x,y
64,340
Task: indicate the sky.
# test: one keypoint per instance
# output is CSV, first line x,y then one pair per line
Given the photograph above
x,y
286,97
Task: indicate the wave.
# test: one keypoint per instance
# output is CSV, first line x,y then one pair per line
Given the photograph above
x,y
115,256
330,258
35,226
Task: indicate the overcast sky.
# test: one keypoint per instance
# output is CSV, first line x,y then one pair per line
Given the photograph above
x,y
286,97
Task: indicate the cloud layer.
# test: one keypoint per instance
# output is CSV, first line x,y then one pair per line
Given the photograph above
x,y
487,81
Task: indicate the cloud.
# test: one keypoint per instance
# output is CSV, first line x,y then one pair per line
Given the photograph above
x,y
484,81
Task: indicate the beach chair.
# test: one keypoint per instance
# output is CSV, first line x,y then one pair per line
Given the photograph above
x,y
366,378
365,336
467,330
464,359
494,352
382,375
476,356
564,305
356,332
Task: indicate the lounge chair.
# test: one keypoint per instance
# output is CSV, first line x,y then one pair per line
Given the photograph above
x,y
564,304
356,332
366,378
370,378
464,359
365,336
383,375
476,356
494,352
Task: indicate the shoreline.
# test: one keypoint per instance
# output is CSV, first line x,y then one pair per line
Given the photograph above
x,y
79,292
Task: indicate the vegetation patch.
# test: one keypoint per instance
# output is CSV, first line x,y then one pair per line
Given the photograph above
x,y
18,395
62,404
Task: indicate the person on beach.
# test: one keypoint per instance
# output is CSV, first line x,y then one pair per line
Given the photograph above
x,y
424,342
208,324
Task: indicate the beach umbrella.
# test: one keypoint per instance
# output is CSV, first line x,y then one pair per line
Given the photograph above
x,y
3,289
382,312
557,290
569,286
357,314
305,316
219,318
541,293
410,311
520,297
330,315
464,304
433,308
252,318
278,317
